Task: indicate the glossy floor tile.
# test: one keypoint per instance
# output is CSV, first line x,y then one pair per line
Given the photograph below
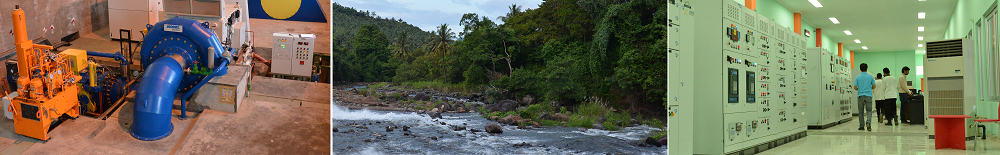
x,y
847,139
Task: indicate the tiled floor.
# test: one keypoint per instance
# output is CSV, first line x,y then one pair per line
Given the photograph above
x,y
847,139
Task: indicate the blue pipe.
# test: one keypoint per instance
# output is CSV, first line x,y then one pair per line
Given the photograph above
x,y
219,70
155,98
117,56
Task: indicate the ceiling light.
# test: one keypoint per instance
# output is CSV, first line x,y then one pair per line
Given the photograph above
x,y
921,29
816,3
864,47
921,15
921,0
920,38
848,32
857,41
834,20
920,45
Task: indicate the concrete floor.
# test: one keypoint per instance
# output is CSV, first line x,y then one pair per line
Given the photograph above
x,y
261,127
883,139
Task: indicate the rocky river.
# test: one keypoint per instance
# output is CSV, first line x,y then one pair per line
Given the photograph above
x,y
359,130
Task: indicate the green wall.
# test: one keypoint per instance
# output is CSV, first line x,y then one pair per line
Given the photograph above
x,y
894,60
966,12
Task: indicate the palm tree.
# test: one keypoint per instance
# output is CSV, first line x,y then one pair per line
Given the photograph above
x,y
399,46
514,10
441,40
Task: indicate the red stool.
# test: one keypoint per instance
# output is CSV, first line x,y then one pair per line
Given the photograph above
x,y
949,131
982,122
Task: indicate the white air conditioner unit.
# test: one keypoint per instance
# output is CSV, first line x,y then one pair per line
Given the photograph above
x,y
950,81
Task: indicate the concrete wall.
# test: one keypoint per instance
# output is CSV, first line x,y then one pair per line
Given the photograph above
x,y
89,15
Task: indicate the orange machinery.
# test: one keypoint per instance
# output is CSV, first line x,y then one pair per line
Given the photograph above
x,y
46,82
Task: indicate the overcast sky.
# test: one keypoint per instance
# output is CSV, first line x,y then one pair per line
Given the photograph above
x,y
428,14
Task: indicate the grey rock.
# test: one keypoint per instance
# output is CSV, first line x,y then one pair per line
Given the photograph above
x,y
663,140
561,117
598,126
493,128
503,106
435,115
651,141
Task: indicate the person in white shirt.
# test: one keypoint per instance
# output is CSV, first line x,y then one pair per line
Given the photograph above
x,y
890,95
904,95
879,98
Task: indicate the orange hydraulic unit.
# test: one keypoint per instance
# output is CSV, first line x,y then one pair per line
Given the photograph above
x,y
47,82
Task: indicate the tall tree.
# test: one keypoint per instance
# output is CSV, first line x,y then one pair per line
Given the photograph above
x,y
442,40
370,44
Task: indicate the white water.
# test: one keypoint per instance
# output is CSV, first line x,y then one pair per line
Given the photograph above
x,y
339,113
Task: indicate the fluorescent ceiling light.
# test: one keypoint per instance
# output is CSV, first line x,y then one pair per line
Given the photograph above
x,y
921,15
864,47
816,3
857,41
920,45
834,20
921,0
920,38
848,32
921,29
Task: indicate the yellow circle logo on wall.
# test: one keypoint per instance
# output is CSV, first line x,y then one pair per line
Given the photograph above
x,y
280,9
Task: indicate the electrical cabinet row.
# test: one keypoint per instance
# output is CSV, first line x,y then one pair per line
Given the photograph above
x,y
832,95
739,73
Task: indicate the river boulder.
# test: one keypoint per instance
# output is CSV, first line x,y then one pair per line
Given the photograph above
x,y
503,106
511,119
598,126
663,140
561,117
444,106
493,128
651,141
435,115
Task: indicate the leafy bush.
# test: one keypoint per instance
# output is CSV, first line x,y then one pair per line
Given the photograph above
x,y
493,94
659,134
593,108
576,121
534,111
656,123
616,117
562,110
610,126
474,76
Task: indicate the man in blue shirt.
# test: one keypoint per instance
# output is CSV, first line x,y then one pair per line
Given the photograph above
x,y
864,84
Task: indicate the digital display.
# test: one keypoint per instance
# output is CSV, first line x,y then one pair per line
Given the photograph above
x,y
734,85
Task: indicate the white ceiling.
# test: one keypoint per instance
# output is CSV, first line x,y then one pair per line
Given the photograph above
x,y
882,25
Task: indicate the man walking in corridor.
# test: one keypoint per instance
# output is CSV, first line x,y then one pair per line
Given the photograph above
x,y
864,83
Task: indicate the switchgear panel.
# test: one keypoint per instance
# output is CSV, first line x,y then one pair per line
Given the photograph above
x,y
835,96
747,68
680,84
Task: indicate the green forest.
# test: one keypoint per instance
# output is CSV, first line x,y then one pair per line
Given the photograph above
x,y
566,51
